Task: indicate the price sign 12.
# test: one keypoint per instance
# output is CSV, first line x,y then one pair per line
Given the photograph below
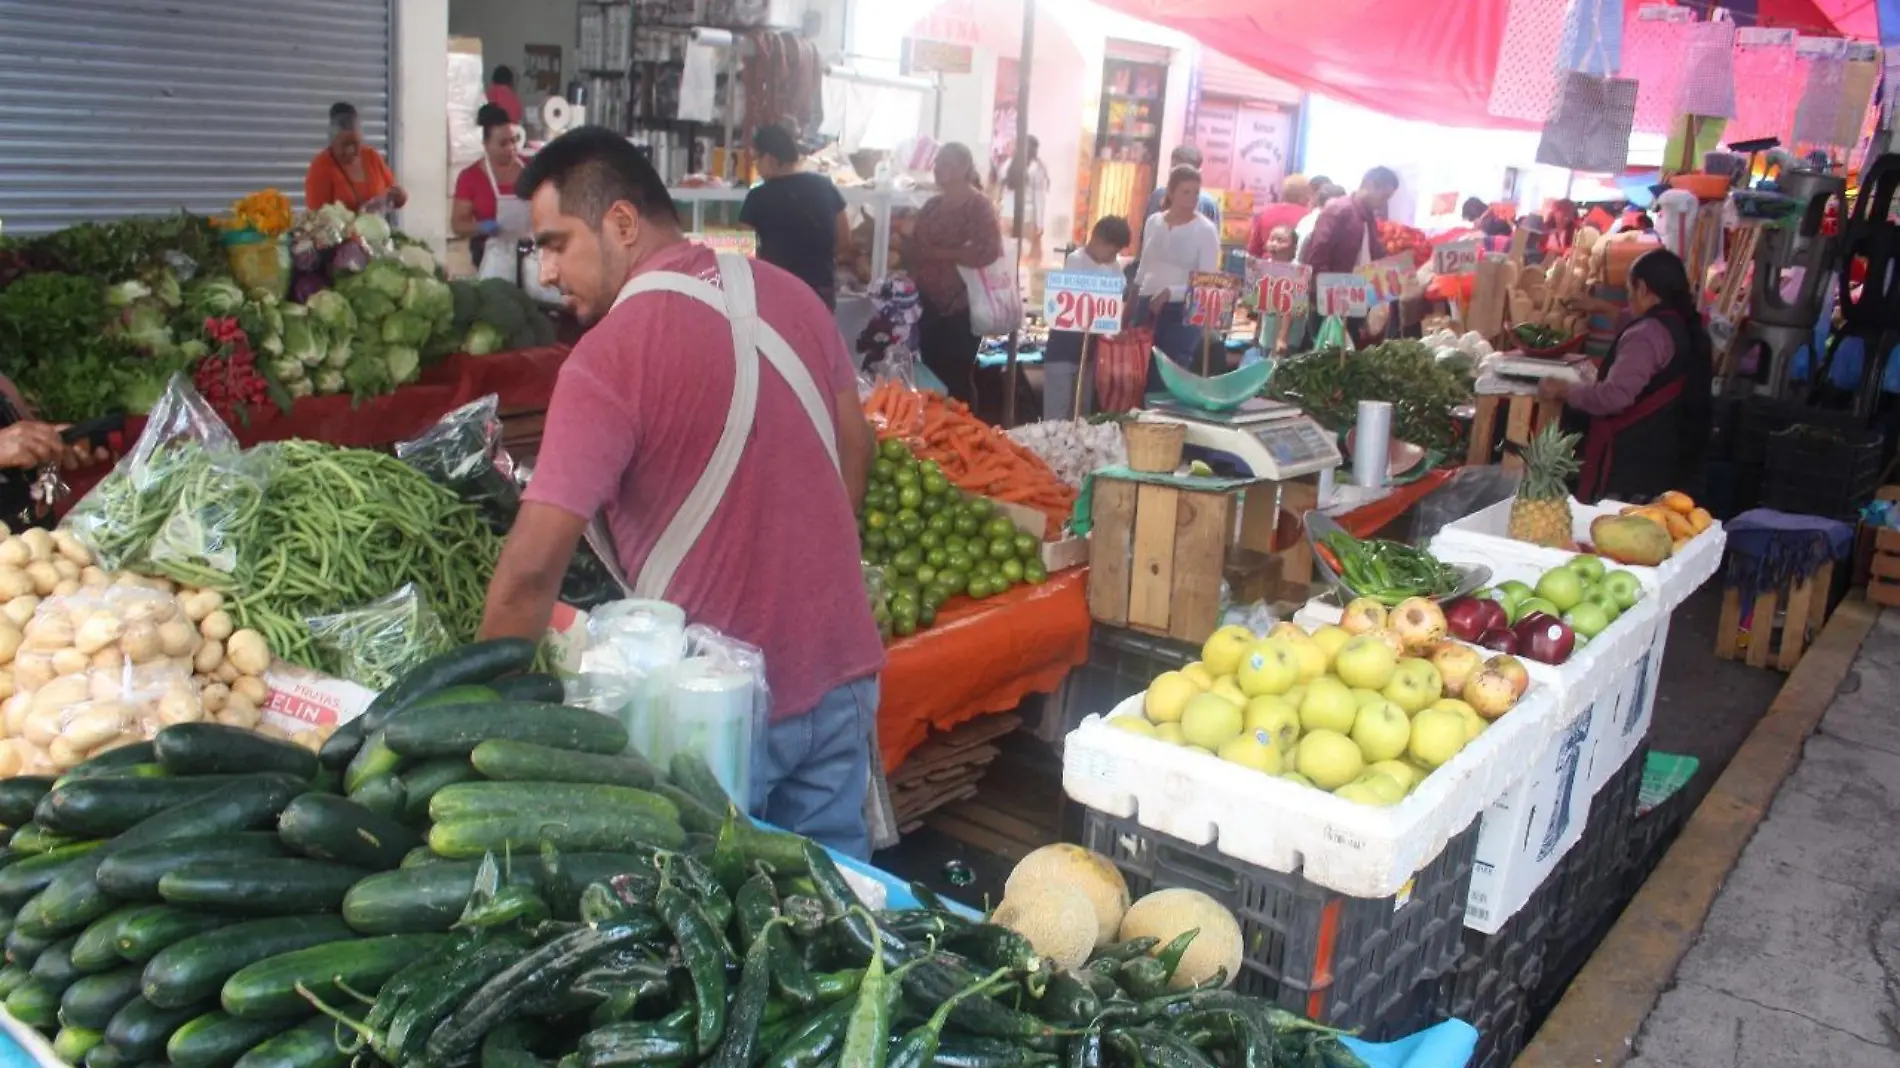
x,y
1456,257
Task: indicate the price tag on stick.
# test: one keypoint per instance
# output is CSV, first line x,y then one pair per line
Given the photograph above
x,y
1211,297
1455,257
1385,279
1285,288
1083,302
1343,295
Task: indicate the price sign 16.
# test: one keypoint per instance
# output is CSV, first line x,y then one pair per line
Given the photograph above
x,y
1086,303
1285,287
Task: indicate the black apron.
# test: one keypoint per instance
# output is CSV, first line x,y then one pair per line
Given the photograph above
x,y
1655,444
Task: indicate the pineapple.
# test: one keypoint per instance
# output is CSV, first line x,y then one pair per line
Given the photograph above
x,y
1540,514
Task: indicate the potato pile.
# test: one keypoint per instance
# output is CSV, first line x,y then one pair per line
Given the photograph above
x,y
91,660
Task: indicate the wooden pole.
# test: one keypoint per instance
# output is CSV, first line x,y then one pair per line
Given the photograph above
x,y
1023,67
1082,369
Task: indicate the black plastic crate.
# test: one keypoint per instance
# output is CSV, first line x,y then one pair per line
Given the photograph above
x,y
1587,886
1822,471
1370,963
1491,987
1761,418
1121,664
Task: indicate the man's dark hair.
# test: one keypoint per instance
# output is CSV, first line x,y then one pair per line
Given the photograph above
x,y
1185,156
1473,209
504,75
1112,230
489,116
594,168
1384,177
777,142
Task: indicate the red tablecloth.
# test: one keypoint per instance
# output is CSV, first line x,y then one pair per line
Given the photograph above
x,y
982,657
522,379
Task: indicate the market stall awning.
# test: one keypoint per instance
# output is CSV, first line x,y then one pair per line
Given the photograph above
x,y
1433,62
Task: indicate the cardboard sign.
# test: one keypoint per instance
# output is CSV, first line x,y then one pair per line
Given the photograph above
x,y
1211,298
1083,302
1455,257
1285,288
1385,279
744,242
1343,295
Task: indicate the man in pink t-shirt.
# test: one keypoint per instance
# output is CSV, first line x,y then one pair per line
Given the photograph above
x,y
501,91
636,414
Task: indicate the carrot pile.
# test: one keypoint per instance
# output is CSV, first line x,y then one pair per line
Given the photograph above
x,y
975,457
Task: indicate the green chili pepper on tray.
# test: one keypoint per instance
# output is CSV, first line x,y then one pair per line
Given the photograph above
x,y
1388,571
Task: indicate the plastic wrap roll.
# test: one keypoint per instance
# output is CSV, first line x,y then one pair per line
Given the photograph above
x,y
708,37
556,115
1372,442
709,706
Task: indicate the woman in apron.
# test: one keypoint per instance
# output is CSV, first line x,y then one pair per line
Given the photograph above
x,y
350,172
487,212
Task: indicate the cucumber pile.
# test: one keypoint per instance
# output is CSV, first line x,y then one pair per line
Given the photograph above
x,y
470,872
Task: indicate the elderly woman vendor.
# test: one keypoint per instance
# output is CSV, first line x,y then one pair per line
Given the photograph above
x,y
349,172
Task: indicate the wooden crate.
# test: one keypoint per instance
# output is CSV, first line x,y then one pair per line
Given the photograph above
x,y
1883,579
1806,603
1523,417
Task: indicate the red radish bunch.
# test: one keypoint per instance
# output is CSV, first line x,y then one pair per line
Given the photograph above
x,y
229,379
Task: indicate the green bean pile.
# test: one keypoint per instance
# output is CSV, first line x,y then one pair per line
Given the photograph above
x,y
335,530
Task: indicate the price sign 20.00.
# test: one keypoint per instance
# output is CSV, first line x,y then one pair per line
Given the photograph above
x,y
1084,303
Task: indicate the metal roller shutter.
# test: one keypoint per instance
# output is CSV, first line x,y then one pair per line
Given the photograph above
x,y
1222,76
111,108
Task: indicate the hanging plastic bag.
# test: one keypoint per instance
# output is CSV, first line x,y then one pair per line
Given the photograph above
x,y
214,516
377,643
119,518
631,644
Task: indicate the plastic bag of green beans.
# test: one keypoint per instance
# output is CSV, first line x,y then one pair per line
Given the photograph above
x,y
214,515
379,642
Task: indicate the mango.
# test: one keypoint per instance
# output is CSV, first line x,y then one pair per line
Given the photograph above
x,y
1630,539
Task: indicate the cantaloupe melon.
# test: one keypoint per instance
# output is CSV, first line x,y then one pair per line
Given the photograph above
x,y
1071,865
1166,913
1057,919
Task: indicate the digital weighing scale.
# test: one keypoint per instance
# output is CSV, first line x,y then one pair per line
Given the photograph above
x,y
1525,367
1270,440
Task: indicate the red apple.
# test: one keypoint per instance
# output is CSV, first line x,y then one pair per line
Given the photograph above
x,y
1499,639
1545,638
1465,617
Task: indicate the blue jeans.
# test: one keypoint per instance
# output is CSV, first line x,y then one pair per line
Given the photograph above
x,y
810,773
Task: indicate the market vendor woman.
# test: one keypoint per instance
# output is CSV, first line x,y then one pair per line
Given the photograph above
x,y
485,203
711,418
1645,419
349,172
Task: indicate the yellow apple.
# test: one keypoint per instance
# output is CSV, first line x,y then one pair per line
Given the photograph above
x,y
1276,717
1437,736
1398,771
1329,759
1270,667
1474,723
1328,705
1331,638
1381,731
1209,721
1414,684
1256,750
1365,662
1132,724
1167,695
1225,648
1225,686
1198,674
1170,733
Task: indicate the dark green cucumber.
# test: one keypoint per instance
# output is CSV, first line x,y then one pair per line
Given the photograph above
x,y
133,874
24,950
485,800
22,879
140,1029
93,1000
340,747
694,815
107,1055
534,686
70,902
97,948
101,807
111,760
212,748
19,795
32,840
151,928
527,762
572,830
55,963
475,663
690,772
420,856
382,795
262,887
218,1039
35,1003
73,1043
420,899
268,987
373,760
250,802
11,977
456,730
194,969
311,1044
122,771
327,827
420,784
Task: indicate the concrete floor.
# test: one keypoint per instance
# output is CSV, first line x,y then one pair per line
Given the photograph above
x,y
1799,960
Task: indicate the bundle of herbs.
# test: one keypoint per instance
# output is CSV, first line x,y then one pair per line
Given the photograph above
x,y
1330,383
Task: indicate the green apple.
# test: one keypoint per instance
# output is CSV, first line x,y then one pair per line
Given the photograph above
x,y
1437,736
1415,684
1270,667
1513,593
1331,639
1366,662
1275,716
1588,619
1225,648
1536,604
1256,750
1313,658
1625,587
1132,724
1562,587
1328,705
1210,720
1601,596
1329,760
1381,731
1590,567
1398,771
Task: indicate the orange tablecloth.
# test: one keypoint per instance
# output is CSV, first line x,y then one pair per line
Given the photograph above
x,y
980,658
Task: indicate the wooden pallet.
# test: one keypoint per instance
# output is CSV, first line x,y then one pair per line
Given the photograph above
x,y
1806,611
1523,417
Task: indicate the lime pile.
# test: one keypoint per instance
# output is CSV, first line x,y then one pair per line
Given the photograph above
x,y
934,541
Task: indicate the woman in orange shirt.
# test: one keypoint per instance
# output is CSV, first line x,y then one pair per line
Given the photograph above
x,y
349,172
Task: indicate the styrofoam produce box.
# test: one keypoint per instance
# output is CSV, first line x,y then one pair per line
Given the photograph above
x,y
1676,578
1525,833
1351,848
1604,669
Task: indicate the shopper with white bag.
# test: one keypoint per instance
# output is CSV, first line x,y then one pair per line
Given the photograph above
x,y
711,418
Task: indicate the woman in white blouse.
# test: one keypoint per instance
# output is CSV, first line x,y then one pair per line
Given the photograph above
x,y
1176,242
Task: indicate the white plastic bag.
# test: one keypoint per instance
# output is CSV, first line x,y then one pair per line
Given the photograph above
x,y
996,305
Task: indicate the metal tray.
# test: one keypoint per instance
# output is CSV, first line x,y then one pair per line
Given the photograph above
x,y
1471,577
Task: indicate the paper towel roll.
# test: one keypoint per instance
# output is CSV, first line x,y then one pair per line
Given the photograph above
x,y
1372,444
555,115
708,37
